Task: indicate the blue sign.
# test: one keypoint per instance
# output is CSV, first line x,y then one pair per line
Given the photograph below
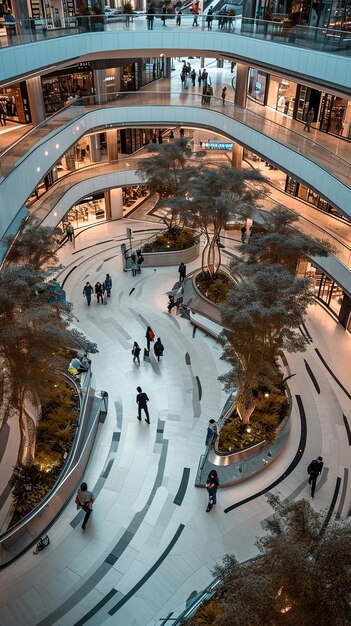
x,y
217,145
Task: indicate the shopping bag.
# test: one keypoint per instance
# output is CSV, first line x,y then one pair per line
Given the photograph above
x,y
146,355
104,299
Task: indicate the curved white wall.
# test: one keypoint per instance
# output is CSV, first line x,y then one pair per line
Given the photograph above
x,y
25,177
317,66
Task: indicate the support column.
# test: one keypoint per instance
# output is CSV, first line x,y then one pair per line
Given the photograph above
x,y
168,65
112,145
242,73
36,100
100,86
95,152
237,156
116,203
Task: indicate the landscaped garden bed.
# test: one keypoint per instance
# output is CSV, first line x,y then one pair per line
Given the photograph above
x,y
171,240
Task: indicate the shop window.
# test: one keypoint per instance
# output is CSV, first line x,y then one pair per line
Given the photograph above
x,y
257,85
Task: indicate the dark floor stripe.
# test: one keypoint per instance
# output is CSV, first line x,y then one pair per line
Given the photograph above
x,y
96,608
148,575
293,464
131,291
187,358
69,273
306,331
199,387
348,431
194,331
332,506
332,374
312,376
182,487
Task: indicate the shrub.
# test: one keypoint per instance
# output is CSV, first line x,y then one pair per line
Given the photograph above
x,y
173,239
215,289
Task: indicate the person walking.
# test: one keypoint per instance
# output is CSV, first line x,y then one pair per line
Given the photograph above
x,y
181,133
199,78
87,291
193,76
212,484
150,336
136,352
171,135
212,432
171,303
163,14
179,17
99,292
150,16
85,500
183,78
182,272
309,119
195,9
158,349
2,114
243,234
223,95
135,267
142,400
232,65
107,285
209,18
314,470
70,231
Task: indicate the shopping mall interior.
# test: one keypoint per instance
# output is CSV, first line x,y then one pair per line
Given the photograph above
x,y
84,92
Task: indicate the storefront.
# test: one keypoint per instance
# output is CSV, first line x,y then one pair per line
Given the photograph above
x,y
335,115
132,139
257,85
281,95
62,86
294,188
15,103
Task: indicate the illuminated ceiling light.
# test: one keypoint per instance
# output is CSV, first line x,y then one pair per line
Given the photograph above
x,y
46,153
57,146
38,169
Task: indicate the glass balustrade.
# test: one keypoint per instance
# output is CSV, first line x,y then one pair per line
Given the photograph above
x,y
279,29
70,115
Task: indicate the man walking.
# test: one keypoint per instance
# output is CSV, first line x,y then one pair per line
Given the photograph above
x,y
85,500
314,469
142,401
309,119
87,291
224,92
182,272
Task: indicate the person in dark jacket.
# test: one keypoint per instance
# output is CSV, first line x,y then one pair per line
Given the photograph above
x,y
136,352
142,400
107,285
209,18
99,292
87,291
212,484
150,16
158,348
182,272
314,470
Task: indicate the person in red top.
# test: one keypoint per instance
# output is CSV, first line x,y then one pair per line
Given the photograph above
x,y
150,336
195,9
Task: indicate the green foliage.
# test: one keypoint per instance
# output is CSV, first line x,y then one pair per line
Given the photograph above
x,y
215,289
175,239
40,482
268,413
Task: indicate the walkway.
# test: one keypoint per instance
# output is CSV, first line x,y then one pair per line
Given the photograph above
x,y
149,543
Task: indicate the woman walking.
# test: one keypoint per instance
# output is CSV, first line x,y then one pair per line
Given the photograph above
x,y
99,292
136,352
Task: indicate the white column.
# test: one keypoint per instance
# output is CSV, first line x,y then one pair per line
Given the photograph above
x,y
36,100
116,203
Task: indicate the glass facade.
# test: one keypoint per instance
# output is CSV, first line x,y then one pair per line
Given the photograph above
x,y
257,85
281,95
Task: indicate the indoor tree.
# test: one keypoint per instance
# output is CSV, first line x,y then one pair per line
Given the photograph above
x,y
208,198
164,173
261,317
301,574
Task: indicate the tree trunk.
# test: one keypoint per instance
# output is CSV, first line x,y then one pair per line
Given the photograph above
x,y
212,258
22,452
245,403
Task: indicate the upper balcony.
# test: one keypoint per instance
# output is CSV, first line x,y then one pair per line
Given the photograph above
x,y
33,46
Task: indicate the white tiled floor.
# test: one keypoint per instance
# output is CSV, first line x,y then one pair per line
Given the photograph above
x,y
35,586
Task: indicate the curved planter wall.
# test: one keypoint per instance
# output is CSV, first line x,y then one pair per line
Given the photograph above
x,y
19,538
162,259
